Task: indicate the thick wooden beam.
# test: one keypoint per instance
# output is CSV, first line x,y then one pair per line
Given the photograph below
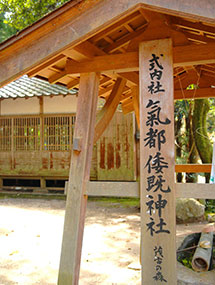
x,y
78,178
116,62
182,56
194,55
107,112
157,163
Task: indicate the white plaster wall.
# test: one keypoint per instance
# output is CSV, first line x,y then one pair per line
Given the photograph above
x,y
55,105
20,106
60,104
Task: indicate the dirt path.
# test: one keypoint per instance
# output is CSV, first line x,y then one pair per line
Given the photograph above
x,y
31,234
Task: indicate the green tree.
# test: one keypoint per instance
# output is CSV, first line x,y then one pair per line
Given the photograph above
x,y
6,31
22,13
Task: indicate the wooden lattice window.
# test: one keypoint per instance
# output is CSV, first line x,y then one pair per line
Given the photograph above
x,y
58,132
5,134
27,133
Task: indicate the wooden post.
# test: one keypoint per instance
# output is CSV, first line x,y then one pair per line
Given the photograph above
x,y
135,101
158,248
78,178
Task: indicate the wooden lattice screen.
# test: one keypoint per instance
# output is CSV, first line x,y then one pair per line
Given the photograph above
x,y
58,131
26,133
5,134
34,133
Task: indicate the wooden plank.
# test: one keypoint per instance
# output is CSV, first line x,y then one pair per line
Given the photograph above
x,y
157,163
107,112
122,42
195,190
113,189
116,26
57,76
116,159
79,175
131,189
193,168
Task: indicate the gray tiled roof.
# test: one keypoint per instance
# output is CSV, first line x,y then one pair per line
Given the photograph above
x,y
29,87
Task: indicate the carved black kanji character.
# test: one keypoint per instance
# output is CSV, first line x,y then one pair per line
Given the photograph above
x,y
158,163
155,88
156,74
150,227
150,205
158,250
159,185
153,117
154,62
160,204
160,226
159,277
148,165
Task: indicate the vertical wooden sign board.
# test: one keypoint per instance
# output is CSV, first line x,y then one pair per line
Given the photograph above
x,y
158,250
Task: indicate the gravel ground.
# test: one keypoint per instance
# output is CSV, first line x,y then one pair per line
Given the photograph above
x,y
31,234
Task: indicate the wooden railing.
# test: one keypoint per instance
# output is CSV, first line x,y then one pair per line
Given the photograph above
x,y
193,168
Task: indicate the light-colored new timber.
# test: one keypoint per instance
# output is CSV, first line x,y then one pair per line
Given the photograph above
x,y
157,203
79,175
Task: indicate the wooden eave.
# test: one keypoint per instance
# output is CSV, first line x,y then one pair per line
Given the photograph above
x,y
103,36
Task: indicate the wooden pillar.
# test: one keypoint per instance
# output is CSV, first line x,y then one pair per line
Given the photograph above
x,y
78,178
158,248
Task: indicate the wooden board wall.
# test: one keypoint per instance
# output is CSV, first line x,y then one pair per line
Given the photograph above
x,y
113,156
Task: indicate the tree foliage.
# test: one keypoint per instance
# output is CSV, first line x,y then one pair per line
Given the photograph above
x,y
5,30
19,14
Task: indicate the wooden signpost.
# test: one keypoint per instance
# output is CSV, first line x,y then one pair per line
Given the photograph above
x,y
158,252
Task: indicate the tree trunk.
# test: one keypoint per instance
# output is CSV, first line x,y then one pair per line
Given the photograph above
x,y
193,153
203,144
178,126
